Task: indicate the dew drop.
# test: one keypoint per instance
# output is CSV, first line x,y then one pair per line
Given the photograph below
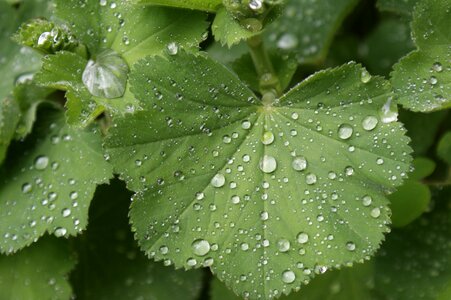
x,y
201,247
350,246
299,163
367,200
41,162
288,276
268,164
302,238
437,67
267,138
60,231
26,188
287,41
65,212
218,180
255,4
345,131
310,178
172,48
375,212
369,123
389,112
246,124
283,245
365,76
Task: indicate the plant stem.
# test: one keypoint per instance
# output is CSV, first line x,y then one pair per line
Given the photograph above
x,y
268,79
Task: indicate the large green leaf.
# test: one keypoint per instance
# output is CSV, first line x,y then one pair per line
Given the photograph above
x,y
111,265
206,5
422,79
415,262
307,27
38,272
117,26
265,195
48,182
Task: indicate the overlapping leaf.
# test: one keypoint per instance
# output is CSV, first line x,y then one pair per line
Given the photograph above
x,y
266,196
37,272
122,271
422,79
48,182
131,32
307,27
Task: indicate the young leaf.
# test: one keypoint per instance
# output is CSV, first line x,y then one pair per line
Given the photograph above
x,y
116,38
258,190
306,27
48,184
444,147
37,272
422,79
205,5
228,31
415,261
403,7
9,118
122,271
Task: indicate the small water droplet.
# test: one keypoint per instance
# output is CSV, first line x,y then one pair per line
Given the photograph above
x,y
365,76
41,162
367,200
267,138
26,188
369,123
375,212
283,245
350,246
302,238
60,231
437,67
268,164
255,4
172,48
299,163
287,41
310,178
65,212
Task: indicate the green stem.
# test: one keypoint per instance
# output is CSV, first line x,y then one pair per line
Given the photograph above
x,y
269,81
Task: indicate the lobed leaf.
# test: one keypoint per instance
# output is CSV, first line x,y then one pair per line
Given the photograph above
x,y
421,80
267,196
49,182
228,31
37,272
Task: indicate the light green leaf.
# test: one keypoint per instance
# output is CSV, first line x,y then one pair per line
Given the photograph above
x,y
122,271
119,27
221,179
307,27
228,31
415,261
422,79
403,7
226,55
205,5
378,57
9,118
38,272
444,147
48,182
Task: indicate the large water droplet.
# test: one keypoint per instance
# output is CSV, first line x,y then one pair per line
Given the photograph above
x,y
369,123
288,276
310,178
60,231
106,75
287,41
345,131
389,112
41,162
201,247
268,164
283,245
268,138
218,180
367,200
299,163
302,238
172,48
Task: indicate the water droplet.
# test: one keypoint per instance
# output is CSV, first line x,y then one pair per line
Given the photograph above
x,y
26,188
218,180
299,163
264,216
235,199
389,111
41,162
287,41
191,262
268,164
310,178
437,67
369,123
65,212
349,171
103,2
255,4
302,238
201,247
380,161
350,246
365,76
246,124
295,116
172,48
267,138
345,131
283,245
288,276
375,212
244,246
60,231
164,250
367,200
106,76
433,80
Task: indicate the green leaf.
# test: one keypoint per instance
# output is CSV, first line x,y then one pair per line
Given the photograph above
x,y
245,69
228,31
415,262
307,27
226,55
122,271
423,167
444,147
403,7
99,27
9,118
205,5
48,184
377,56
37,272
422,79
221,179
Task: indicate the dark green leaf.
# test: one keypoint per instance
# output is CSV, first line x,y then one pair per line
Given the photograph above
x,y
206,5
444,147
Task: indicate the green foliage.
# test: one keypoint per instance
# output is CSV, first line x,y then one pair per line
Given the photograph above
x,y
422,79
37,272
252,138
